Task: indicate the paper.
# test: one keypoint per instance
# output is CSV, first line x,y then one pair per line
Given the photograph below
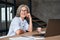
x,y
27,38
3,36
22,38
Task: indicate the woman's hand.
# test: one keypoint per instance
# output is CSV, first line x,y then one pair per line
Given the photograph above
x,y
28,15
18,32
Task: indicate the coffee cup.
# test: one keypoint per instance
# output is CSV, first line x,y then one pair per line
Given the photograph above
x,y
39,30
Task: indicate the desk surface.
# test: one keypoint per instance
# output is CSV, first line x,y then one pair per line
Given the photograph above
x,y
53,38
25,34
31,33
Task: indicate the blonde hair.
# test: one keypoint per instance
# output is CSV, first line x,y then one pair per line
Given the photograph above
x,y
19,9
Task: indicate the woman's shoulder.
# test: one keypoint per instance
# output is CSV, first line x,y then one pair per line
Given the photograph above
x,y
15,19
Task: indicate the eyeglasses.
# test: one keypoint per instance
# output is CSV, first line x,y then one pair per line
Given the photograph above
x,y
23,10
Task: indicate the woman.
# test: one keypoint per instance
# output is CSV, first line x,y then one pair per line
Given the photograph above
x,y
19,25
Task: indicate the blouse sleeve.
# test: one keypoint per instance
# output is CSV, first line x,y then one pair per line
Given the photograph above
x,y
15,25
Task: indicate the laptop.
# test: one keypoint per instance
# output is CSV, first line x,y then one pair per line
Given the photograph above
x,y
52,29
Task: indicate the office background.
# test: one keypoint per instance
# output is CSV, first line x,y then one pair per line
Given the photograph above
x,y
41,11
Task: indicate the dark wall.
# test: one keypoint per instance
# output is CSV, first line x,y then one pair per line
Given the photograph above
x,y
46,9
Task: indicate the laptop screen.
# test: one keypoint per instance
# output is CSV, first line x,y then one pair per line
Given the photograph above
x,y
53,27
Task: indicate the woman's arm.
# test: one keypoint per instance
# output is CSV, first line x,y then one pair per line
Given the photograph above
x,y
30,23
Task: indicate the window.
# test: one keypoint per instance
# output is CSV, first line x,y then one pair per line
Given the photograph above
x,y
9,14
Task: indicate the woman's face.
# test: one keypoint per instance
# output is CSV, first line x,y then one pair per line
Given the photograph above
x,y
23,12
